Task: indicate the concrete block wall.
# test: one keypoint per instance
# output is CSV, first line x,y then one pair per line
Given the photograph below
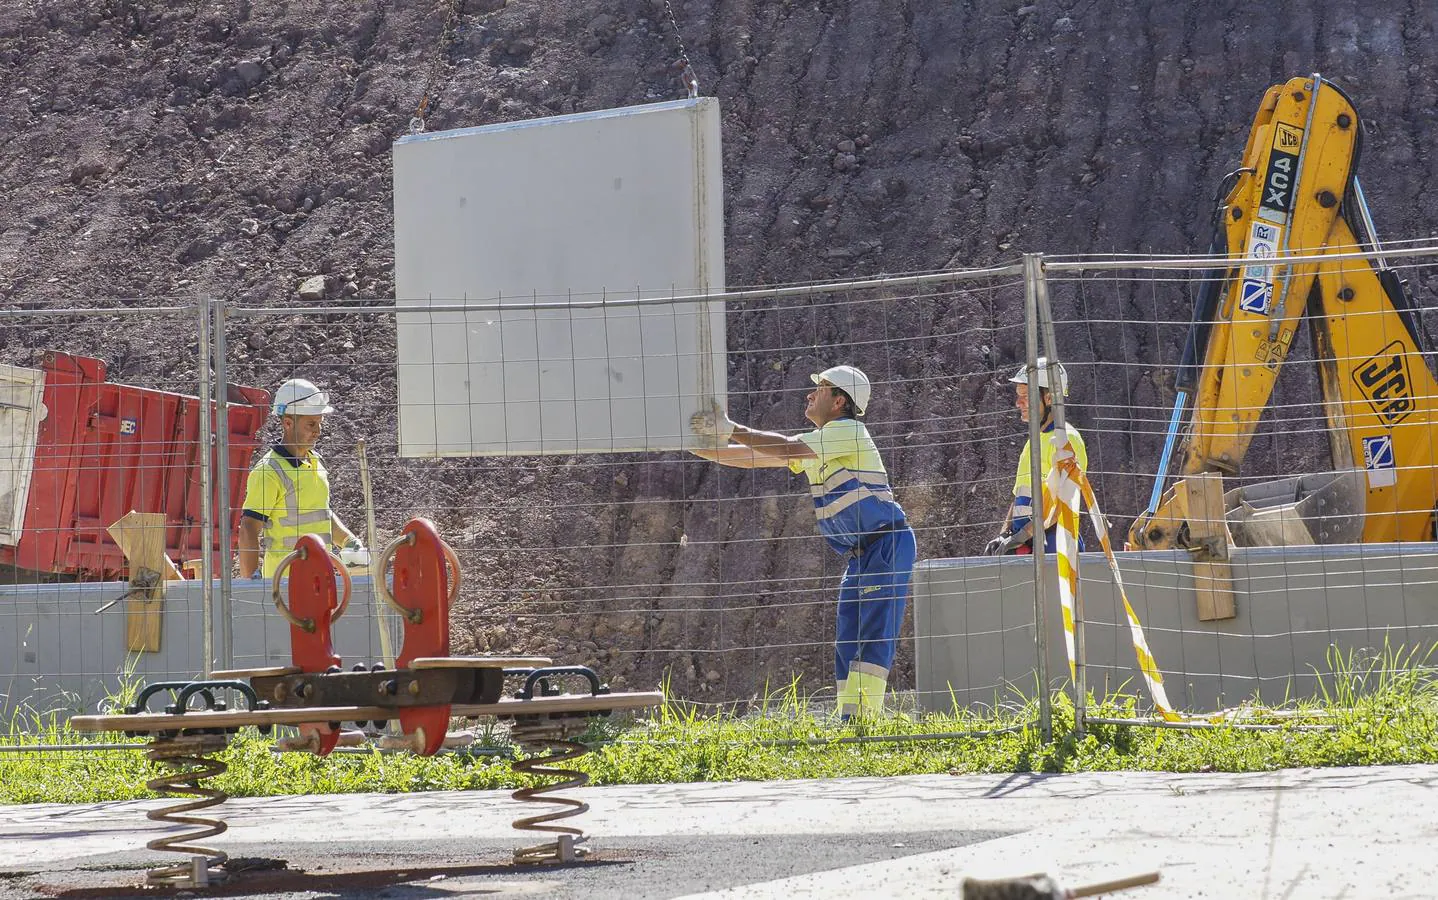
x,y
974,623
57,653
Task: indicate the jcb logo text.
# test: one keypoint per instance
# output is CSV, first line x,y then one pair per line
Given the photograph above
x,y
1383,379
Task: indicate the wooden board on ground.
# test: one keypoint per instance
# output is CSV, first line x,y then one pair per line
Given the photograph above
x,y
564,703
480,662
141,537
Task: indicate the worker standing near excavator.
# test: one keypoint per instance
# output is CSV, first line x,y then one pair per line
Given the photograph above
x,y
1018,534
288,492
857,515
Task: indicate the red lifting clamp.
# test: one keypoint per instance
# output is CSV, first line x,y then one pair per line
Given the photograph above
x,y
314,606
423,592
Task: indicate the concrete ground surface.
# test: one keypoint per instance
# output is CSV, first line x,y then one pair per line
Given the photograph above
x,y
1301,833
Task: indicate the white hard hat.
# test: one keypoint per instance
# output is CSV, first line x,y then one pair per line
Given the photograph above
x,y
1022,375
298,397
849,380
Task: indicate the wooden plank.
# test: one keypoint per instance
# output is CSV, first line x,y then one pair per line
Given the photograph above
x,y
141,537
1206,522
564,703
246,674
480,662
1207,525
1213,588
143,624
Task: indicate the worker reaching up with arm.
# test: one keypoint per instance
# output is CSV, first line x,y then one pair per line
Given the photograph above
x,y
857,515
1018,533
288,491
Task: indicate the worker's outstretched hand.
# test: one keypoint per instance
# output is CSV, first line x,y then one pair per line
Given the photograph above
x,y
713,424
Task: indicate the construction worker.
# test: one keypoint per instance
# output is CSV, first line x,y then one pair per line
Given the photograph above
x,y
857,515
1018,534
288,492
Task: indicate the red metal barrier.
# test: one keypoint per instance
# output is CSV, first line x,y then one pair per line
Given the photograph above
x,y
106,449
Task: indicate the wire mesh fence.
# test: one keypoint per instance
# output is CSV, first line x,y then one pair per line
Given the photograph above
x,y
107,425
663,568
1309,610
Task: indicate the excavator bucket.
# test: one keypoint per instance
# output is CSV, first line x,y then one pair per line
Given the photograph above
x,y
1321,508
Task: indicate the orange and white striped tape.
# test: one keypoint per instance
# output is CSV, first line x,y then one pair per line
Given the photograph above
x,y
1069,486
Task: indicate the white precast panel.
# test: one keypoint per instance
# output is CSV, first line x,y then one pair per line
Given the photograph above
x,y
548,231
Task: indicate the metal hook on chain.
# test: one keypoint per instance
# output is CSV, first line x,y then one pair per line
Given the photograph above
x,y
447,36
691,79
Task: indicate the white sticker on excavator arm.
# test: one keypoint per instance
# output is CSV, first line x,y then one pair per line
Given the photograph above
x,y
1263,241
1378,460
1256,293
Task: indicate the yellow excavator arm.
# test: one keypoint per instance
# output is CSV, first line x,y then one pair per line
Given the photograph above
x,y
1297,194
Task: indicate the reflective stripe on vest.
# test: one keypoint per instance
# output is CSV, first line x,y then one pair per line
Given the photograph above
x,y
295,521
845,487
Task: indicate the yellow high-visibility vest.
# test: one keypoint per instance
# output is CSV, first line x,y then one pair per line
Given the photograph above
x,y
292,498
1023,488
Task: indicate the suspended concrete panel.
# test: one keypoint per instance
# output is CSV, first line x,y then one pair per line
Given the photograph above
x,y
550,234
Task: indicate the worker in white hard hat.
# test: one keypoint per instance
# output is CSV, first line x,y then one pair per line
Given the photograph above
x,y
288,491
857,514
1018,534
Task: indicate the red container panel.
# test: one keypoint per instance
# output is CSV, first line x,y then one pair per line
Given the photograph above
x,y
106,449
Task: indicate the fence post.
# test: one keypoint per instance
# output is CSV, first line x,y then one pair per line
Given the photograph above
x,y
1050,342
207,486
225,516
1033,287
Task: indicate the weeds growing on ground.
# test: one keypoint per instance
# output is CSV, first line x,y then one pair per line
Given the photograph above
x,y
1371,711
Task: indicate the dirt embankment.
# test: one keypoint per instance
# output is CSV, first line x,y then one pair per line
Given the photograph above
x,y
234,149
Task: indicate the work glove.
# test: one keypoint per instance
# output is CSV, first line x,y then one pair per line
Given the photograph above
x,y
713,424
1004,543
354,555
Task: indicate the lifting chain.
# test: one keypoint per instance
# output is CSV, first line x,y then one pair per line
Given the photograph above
x,y
431,81
552,735
691,80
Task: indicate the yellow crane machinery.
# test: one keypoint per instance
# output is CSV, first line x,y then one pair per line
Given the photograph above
x,y
1297,194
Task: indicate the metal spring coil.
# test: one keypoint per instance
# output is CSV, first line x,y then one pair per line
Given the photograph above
x,y
533,737
189,755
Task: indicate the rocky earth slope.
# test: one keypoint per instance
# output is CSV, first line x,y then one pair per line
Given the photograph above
x,y
153,152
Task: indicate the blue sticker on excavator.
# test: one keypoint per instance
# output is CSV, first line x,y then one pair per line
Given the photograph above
x,y
1254,296
1378,460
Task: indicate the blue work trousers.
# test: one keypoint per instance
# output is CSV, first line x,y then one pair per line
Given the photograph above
x,y
871,601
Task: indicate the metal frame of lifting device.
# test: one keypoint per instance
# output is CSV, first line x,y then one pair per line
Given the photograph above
x,y
423,692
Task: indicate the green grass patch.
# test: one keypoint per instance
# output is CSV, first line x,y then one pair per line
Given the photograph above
x,y
1378,711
